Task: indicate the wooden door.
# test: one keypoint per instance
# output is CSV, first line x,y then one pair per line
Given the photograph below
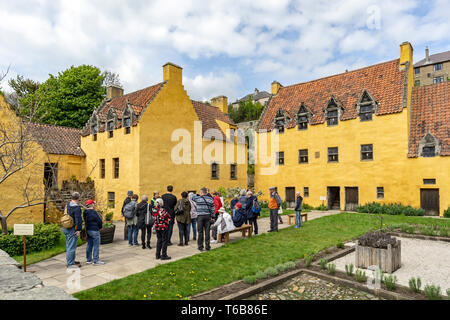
x,y
334,198
290,197
351,198
429,201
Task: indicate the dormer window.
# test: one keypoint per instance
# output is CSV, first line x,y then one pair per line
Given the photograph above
x,y
280,121
110,122
332,112
94,127
429,146
366,106
127,119
303,116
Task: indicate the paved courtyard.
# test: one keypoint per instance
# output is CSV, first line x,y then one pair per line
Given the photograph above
x,y
122,260
427,259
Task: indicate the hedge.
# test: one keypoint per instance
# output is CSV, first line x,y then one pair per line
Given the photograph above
x,y
391,208
45,236
447,213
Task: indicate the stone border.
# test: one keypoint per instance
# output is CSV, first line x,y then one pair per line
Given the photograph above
x,y
418,236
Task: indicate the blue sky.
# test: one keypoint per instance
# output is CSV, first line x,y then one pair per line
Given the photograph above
x,y
224,47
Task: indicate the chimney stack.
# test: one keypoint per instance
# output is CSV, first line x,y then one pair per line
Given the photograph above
x,y
427,54
220,102
113,91
172,73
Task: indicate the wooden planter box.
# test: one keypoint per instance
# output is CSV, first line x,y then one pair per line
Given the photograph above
x,y
387,260
107,235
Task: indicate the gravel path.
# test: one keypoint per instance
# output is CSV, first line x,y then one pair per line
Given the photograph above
x,y
307,287
427,259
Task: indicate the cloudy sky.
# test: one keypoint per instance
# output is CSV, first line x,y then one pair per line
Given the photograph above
x,y
224,47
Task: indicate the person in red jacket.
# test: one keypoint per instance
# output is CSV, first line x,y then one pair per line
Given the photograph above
x,y
162,220
217,202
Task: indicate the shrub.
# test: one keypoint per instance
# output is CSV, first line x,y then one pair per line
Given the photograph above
x,y
249,279
260,275
322,207
443,232
432,292
323,263
447,213
271,271
415,284
109,216
390,281
331,268
45,236
263,204
391,208
360,276
290,265
280,267
306,206
377,239
427,230
448,293
308,260
349,269
340,245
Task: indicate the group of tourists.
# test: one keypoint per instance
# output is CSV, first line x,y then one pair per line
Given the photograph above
x,y
204,213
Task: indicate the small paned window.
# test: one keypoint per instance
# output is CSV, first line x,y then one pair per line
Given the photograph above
x,y
306,192
380,192
280,158
111,200
214,171
303,156
333,154
429,151
116,168
366,152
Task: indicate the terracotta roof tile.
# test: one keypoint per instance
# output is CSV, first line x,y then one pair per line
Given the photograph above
x,y
383,81
430,113
56,139
208,115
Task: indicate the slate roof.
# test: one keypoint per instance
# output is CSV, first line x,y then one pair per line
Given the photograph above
x,y
56,139
433,59
256,97
384,82
430,113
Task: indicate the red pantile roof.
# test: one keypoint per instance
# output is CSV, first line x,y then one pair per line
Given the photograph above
x,y
208,115
430,113
56,139
384,81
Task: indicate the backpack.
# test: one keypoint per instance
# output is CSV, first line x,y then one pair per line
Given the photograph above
x,y
66,220
129,210
149,216
179,209
256,208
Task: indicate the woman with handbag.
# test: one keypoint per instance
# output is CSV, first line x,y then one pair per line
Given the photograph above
x,y
92,223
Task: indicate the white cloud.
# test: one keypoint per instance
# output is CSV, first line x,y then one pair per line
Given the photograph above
x,y
289,41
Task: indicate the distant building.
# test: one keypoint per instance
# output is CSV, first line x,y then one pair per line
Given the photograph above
x,y
257,96
432,69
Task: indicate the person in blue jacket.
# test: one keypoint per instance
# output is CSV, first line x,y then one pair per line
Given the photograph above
x,y
71,234
93,223
239,216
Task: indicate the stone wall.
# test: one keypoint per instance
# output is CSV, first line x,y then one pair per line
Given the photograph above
x,y
18,285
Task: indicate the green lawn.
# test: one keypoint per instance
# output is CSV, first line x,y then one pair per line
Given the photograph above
x,y
201,272
34,257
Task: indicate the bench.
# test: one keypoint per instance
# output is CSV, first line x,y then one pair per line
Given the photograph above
x,y
244,229
292,216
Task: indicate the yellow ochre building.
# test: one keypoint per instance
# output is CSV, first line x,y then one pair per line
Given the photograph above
x,y
360,136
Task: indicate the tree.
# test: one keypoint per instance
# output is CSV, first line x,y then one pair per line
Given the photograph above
x,y
69,98
247,111
111,79
21,88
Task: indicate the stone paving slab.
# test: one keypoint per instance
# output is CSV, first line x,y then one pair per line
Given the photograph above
x,y
43,293
122,260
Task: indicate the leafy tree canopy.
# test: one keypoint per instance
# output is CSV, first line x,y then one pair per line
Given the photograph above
x,y
247,111
67,99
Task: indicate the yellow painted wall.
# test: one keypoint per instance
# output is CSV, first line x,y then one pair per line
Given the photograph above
x,y
145,155
11,190
68,166
401,177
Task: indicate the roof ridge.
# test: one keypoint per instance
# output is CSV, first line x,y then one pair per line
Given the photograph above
x,y
129,93
338,74
53,125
